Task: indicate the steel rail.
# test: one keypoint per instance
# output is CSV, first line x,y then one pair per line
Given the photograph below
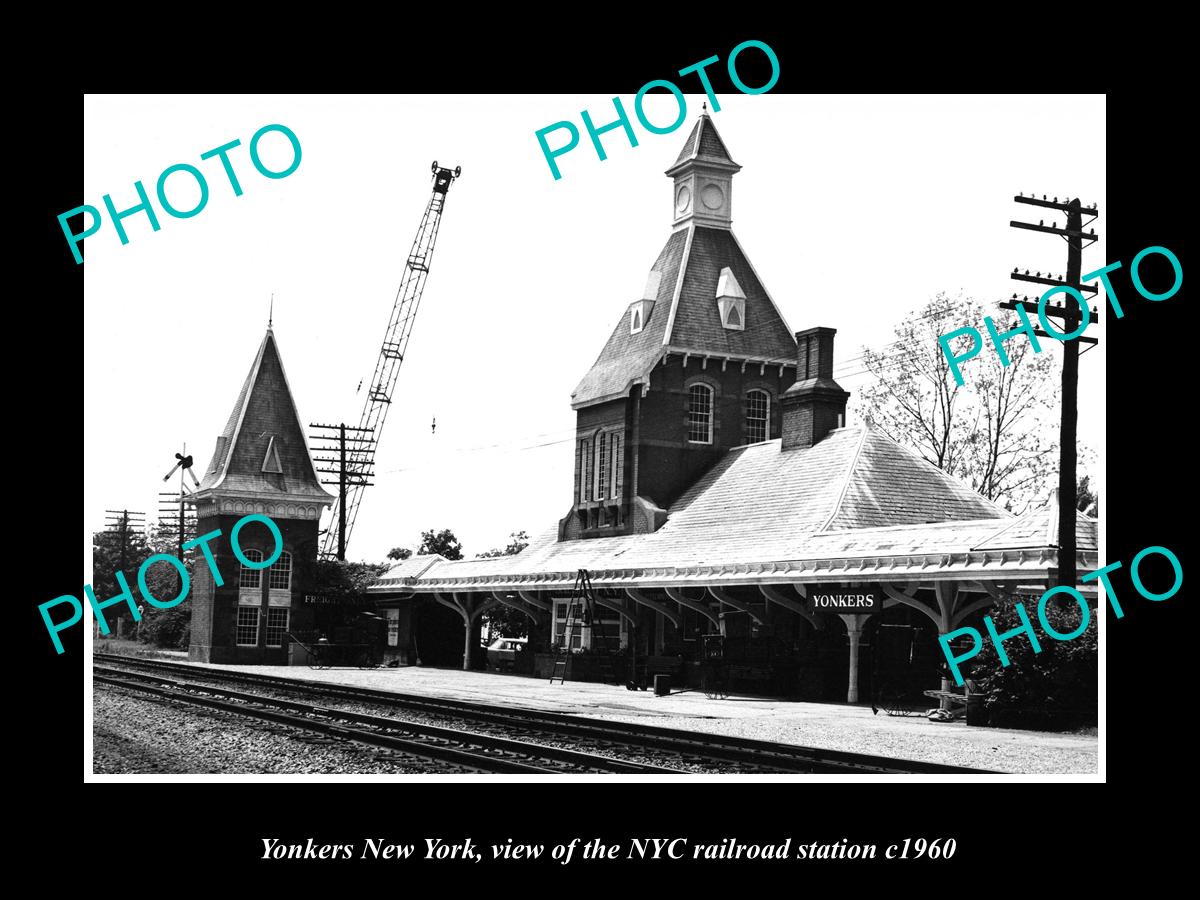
x,y
701,746
427,741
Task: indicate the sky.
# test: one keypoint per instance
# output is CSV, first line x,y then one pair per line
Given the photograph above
x,y
854,210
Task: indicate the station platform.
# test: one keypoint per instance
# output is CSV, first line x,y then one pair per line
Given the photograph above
x,y
829,725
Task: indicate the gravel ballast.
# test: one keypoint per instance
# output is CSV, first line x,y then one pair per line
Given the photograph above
x,y
828,725
135,734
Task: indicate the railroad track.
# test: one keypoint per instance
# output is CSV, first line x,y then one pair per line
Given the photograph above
x,y
677,747
465,750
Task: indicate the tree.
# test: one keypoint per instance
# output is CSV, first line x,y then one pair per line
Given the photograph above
x,y
1086,500
113,551
518,541
116,551
993,431
442,542
345,580
399,553
504,621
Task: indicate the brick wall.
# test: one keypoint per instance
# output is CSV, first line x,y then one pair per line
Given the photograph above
x,y
214,609
668,464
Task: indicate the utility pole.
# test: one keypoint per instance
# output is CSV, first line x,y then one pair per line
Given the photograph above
x,y
175,519
118,522
1071,317
351,470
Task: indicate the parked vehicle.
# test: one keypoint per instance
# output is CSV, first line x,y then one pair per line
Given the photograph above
x,y
502,652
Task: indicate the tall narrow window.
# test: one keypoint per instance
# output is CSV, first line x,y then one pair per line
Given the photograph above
x,y
277,625
615,457
602,473
700,410
251,578
585,470
247,626
758,417
280,574
585,486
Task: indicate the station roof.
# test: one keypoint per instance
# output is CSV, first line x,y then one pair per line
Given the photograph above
x,y
855,506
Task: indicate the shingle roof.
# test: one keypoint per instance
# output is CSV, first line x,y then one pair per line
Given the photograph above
x,y
686,317
627,357
893,485
1039,528
856,495
704,145
412,567
264,415
697,321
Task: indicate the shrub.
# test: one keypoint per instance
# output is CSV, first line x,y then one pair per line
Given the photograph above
x,y
167,627
1052,690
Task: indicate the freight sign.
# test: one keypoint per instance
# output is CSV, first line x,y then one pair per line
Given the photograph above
x,y
336,600
840,598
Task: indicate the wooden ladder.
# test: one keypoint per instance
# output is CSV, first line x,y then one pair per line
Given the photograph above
x,y
583,596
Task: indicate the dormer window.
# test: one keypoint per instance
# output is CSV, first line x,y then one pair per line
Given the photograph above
x,y
731,301
271,461
639,312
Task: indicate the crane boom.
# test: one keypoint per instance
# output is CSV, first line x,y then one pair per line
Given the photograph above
x,y
360,449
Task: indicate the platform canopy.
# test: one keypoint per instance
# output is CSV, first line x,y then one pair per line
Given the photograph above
x,y
855,507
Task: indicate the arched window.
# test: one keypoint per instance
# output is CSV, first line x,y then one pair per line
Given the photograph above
x,y
585,469
602,466
251,578
700,413
280,574
758,417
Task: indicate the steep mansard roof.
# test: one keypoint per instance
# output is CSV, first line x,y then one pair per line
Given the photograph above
x,y
686,317
262,449
854,496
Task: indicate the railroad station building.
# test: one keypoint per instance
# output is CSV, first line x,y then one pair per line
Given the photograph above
x,y
719,489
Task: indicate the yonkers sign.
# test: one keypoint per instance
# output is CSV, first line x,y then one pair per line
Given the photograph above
x,y
841,598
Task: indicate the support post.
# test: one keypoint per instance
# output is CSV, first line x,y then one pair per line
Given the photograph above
x,y
854,627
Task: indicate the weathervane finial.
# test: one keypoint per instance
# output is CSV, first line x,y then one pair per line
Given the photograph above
x,y
271,312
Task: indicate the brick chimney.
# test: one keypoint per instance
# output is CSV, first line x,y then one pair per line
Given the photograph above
x,y
815,404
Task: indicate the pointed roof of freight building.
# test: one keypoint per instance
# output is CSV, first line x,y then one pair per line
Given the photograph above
x,y
262,450
683,315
